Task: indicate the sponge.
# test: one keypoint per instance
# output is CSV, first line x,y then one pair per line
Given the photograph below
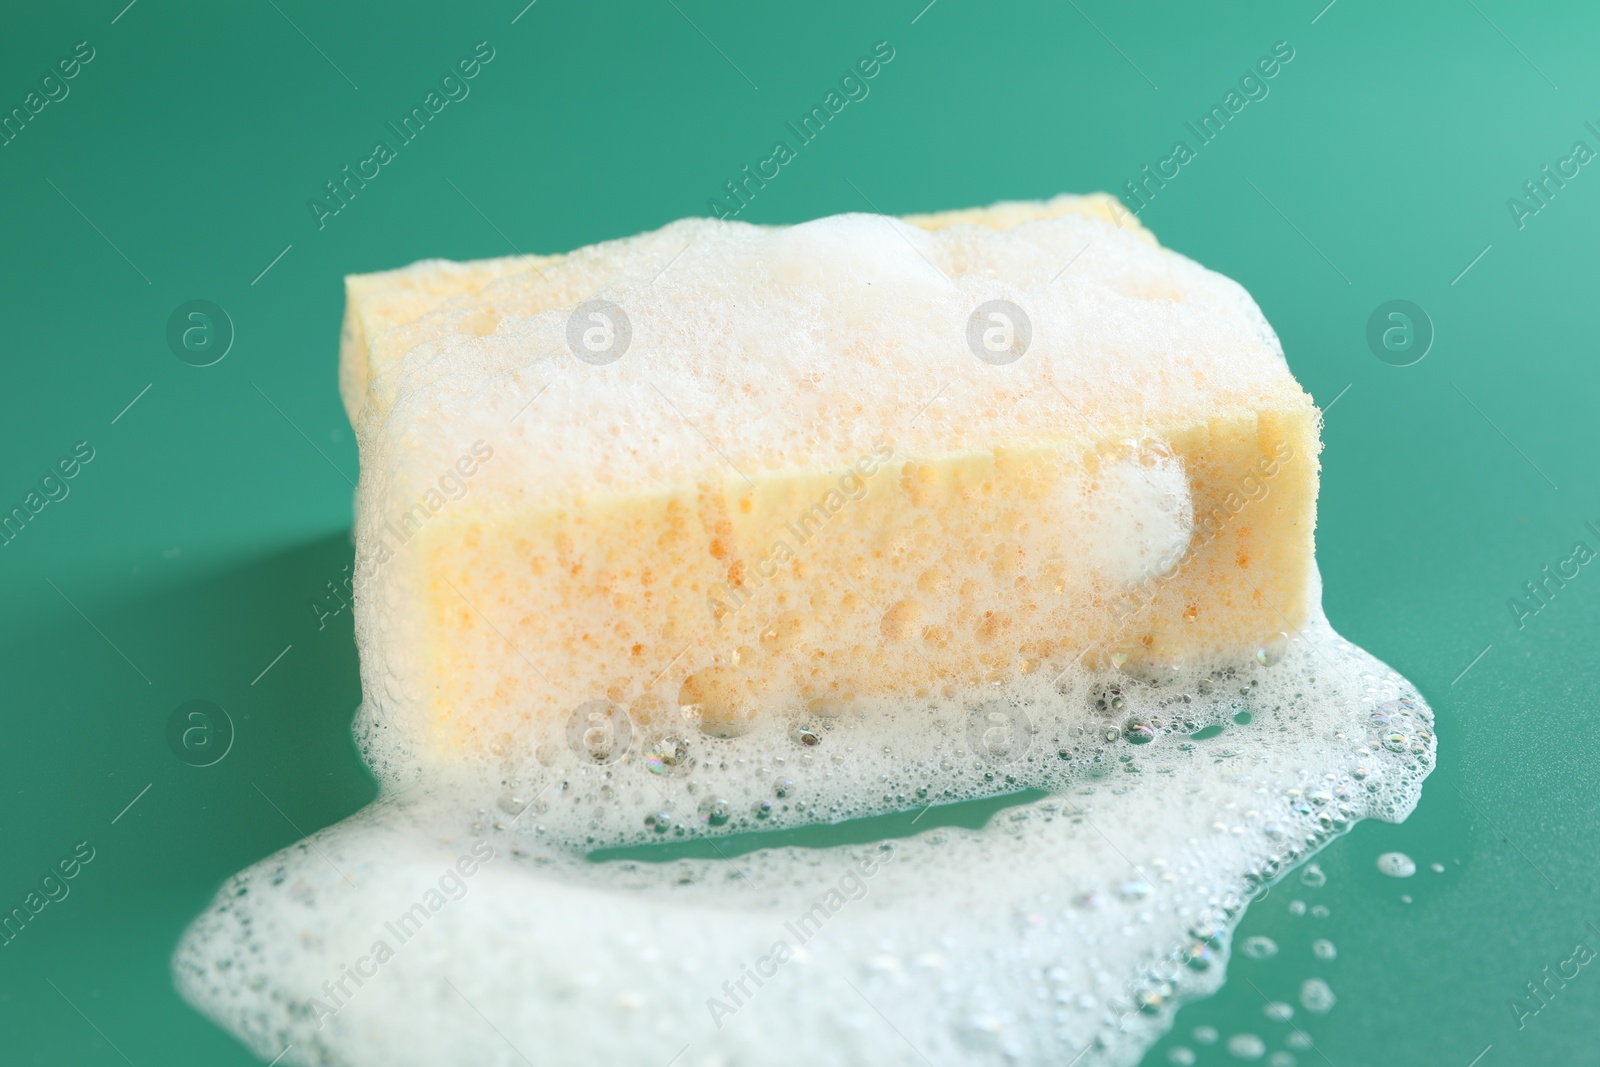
x,y
817,467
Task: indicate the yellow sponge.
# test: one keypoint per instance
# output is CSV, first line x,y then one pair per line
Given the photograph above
x,y
808,482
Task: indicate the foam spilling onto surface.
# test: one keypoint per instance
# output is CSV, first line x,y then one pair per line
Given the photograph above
x,y
1074,922
804,554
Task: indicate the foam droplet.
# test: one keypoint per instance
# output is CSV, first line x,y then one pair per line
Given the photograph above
x,y
1246,1047
713,811
1397,865
1270,654
1316,997
1260,947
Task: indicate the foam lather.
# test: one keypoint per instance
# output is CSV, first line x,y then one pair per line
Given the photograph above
x,y
725,529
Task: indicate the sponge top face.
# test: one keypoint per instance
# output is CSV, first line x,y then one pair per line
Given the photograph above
x,y
723,347
390,312
376,303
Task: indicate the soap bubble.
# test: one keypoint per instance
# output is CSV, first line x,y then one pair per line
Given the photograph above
x,y
1247,1046
713,811
1397,865
1316,997
1110,701
667,756
1260,947
1270,654
1136,890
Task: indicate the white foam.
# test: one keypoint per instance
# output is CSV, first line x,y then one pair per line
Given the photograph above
x,y
1075,921
1140,518
806,344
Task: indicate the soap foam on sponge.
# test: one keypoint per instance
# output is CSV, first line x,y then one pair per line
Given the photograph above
x,y
674,518
799,556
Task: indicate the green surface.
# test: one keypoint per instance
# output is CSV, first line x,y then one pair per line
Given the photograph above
x,y
217,506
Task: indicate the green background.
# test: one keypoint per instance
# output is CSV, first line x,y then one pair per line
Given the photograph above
x,y
185,556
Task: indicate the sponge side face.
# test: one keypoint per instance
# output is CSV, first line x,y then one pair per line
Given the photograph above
x,y
375,303
725,602
804,485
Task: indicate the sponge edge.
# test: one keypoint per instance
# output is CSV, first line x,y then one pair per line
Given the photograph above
x,y
375,303
1008,213
801,490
